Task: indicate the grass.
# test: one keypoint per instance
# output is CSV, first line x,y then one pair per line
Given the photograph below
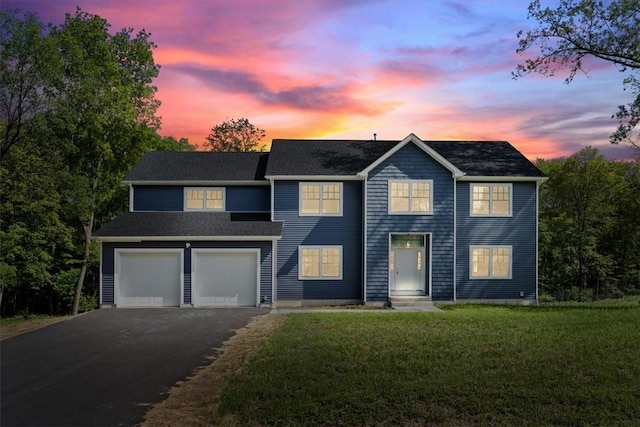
x,y
12,326
470,365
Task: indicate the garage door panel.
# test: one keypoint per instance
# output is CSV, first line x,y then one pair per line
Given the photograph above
x,y
149,279
224,279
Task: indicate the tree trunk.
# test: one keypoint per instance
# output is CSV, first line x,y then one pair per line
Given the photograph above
x,y
85,263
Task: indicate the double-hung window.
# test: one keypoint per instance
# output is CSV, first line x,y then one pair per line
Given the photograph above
x,y
491,199
490,262
204,198
321,198
320,262
411,197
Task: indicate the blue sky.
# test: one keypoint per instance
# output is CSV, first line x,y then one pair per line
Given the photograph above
x,y
334,69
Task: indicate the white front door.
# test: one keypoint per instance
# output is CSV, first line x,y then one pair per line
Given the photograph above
x,y
408,273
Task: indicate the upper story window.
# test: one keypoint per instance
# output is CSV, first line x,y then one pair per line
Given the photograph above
x,y
491,199
321,198
204,198
411,197
490,262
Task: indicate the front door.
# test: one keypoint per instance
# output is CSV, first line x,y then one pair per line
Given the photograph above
x,y
407,265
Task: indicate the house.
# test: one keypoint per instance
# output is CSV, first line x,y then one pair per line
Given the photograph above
x,y
326,221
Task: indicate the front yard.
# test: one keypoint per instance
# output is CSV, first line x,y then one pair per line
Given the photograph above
x,y
470,365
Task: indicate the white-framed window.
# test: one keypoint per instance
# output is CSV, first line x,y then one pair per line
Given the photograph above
x,y
410,197
320,262
491,199
321,198
490,262
204,198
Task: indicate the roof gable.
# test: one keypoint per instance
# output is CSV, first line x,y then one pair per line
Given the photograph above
x,y
411,138
174,166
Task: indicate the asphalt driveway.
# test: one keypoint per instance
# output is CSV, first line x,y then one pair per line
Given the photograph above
x,y
106,367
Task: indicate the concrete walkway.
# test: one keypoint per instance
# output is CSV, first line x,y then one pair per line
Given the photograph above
x,y
403,309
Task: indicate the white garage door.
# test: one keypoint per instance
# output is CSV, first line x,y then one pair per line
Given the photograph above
x,y
148,278
225,277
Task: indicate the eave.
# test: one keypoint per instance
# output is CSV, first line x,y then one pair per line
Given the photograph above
x,y
199,182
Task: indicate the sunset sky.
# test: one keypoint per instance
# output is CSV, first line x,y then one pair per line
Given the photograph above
x,y
336,69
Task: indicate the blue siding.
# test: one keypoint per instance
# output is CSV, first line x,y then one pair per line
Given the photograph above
x,y
171,198
410,162
519,231
248,199
157,198
317,230
108,251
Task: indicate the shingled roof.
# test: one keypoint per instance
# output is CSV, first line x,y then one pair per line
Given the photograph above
x,y
291,157
486,158
199,166
306,157
207,225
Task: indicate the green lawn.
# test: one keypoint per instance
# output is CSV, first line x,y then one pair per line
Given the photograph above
x,y
469,365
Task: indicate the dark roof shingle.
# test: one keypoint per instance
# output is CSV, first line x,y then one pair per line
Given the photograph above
x,y
308,157
190,224
199,166
348,157
486,158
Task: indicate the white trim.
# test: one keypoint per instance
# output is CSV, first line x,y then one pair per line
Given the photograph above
x,y
365,240
491,248
100,277
420,144
195,251
537,237
274,265
320,277
503,178
116,268
272,190
320,184
410,212
131,198
198,183
428,257
186,190
455,240
184,238
491,186
315,177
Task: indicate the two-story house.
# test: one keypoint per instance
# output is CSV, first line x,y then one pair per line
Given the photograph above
x,y
326,221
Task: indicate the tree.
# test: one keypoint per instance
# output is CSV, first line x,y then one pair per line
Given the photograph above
x,y
101,114
235,135
588,234
170,143
25,57
588,28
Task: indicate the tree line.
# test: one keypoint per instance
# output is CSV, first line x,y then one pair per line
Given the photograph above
x,y
589,227
78,109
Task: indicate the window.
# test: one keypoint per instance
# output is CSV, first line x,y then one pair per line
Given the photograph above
x,y
320,262
204,199
490,262
321,198
410,197
491,199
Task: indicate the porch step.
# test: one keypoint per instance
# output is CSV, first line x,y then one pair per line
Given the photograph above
x,y
410,301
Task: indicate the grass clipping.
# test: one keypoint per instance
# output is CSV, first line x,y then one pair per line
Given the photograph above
x,y
195,401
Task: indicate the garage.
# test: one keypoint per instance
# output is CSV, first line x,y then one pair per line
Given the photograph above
x,y
225,277
148,277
